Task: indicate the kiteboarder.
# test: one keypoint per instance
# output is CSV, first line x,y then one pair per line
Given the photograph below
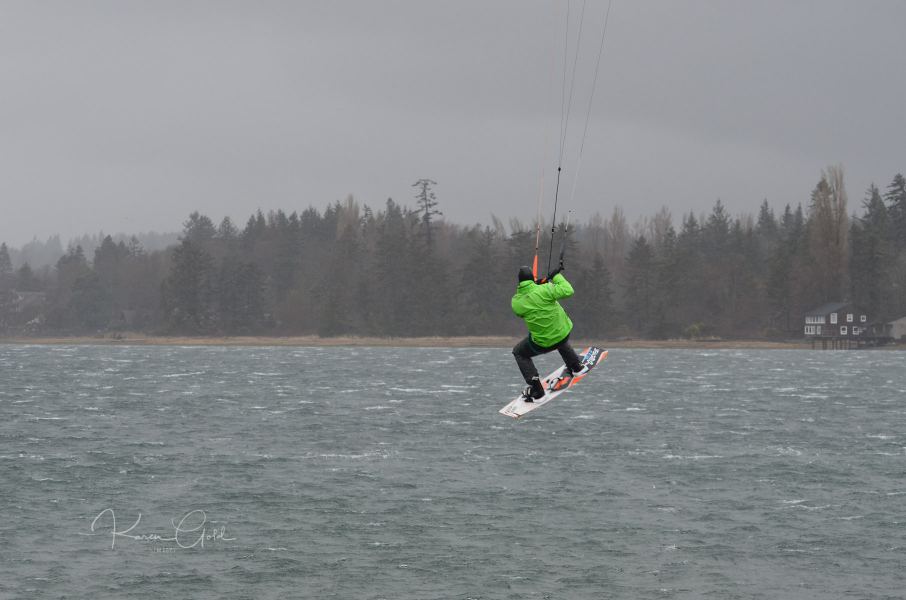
x,y
549,327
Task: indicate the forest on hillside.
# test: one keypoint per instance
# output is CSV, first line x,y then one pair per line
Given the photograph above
x,y
401,271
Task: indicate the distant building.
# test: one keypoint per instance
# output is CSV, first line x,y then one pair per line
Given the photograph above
x,y
891,331
837,320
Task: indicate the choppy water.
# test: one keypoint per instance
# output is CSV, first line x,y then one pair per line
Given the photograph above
x,y
387,473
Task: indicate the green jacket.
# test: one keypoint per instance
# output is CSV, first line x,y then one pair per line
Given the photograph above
x,y
537,305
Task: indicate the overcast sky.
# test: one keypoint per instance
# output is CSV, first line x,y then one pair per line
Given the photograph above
x,y
127,116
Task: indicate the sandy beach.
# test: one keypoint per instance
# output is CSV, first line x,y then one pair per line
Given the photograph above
x,y
138,339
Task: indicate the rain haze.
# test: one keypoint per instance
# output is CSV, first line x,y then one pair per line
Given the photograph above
x,y
127,116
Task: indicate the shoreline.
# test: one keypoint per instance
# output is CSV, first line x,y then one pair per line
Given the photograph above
x,y
133,339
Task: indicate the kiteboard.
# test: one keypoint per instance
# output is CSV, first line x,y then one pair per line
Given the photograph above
x,y
554,385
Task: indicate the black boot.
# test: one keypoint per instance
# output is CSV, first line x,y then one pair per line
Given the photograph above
x,y
534,391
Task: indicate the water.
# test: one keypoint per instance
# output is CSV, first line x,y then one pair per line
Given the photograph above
x,y
387,473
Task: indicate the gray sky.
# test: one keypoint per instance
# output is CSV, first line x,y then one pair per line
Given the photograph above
x,y
127,116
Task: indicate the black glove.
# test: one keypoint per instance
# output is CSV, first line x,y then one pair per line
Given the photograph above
x,y
555,272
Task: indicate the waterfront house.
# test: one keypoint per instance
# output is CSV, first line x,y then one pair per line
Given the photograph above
x,y
836,320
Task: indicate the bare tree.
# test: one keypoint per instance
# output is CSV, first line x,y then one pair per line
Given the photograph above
x,y
828,235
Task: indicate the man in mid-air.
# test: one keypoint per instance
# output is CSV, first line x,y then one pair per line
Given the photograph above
x,y
549,327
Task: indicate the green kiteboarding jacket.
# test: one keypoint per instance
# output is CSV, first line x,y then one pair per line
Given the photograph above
x,y
537,305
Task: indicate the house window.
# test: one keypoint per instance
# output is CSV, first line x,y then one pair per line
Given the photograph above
x,y
843,330
818,330
849,318
856,331
833,318
863,318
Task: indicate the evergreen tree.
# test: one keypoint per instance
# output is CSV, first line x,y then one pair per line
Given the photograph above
x,y
429,295
255,229
742,315
617,243
767,224
226,230
690,274
6,266
485,286
896,202
785,271
640,279
7,296
108,266
198,228
393,267
188,291
872,256
593,308
241,297
71,267
339,301
26,280
90,303
767,235
668,287
716,231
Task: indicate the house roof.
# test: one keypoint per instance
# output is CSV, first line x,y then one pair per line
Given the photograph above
x,y
826,308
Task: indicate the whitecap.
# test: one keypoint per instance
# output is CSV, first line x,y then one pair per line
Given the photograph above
x,y
172,375
788,451
690,456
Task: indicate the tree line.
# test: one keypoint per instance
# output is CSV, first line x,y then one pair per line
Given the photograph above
x,y
404,271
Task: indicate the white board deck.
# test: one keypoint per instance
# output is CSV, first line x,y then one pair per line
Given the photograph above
x,y
519,407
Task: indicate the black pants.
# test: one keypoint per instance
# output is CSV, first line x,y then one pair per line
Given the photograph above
x,y
526,349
